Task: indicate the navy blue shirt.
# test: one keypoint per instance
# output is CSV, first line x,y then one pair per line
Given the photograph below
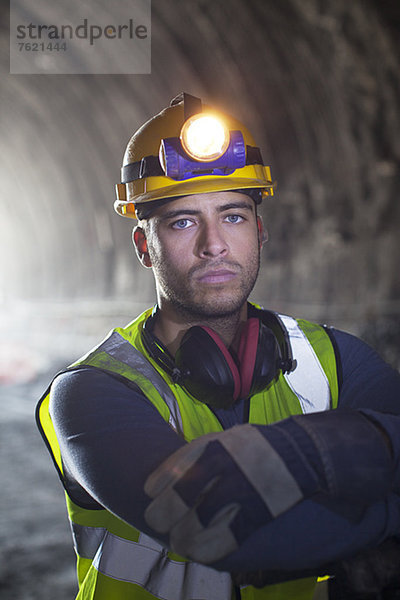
x,y
112,438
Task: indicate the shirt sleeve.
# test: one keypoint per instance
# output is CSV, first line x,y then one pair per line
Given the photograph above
x,y
111,438
367,381
310,536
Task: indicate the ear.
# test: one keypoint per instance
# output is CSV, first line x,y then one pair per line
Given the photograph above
x,y
140,243
262,232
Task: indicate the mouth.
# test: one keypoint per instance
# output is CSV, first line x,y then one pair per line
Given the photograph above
x,y
217,276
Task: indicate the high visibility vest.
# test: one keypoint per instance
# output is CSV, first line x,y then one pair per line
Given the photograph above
x,y
115,561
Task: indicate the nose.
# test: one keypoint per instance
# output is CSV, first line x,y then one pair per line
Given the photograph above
x,y
211,241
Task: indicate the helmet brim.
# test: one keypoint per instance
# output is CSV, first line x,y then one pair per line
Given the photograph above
x,y
153,190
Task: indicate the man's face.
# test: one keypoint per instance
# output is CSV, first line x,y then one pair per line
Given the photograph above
x,y
205,253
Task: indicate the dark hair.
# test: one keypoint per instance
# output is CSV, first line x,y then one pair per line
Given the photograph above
x,y
144,210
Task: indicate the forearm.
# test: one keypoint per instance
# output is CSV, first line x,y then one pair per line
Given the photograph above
x,y
310,536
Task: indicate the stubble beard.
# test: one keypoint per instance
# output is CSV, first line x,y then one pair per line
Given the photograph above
x,y
194,307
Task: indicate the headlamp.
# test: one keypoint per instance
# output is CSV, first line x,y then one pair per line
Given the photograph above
x,y
207,151
205,147
204,137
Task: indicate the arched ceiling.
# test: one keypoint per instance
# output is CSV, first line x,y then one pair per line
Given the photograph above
x,y
318,83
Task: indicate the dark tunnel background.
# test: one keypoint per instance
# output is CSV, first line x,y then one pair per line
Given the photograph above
x,y
316,80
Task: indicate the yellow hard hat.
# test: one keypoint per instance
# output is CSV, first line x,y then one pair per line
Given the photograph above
x,y
189,148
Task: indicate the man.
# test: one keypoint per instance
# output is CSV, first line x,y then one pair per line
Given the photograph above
x,y
196,446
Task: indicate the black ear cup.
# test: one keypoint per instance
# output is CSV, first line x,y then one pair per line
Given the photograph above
x,y
208,370
211,374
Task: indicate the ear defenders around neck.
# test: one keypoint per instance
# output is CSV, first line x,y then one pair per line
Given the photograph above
x,y
218,377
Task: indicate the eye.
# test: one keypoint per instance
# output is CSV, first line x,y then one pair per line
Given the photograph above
x,y
234,218
181,224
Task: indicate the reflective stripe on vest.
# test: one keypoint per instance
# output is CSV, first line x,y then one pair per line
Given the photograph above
x,y
142,563
308,380
119,348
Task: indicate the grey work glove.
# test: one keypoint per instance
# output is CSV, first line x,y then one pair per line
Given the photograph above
x,y
214,492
